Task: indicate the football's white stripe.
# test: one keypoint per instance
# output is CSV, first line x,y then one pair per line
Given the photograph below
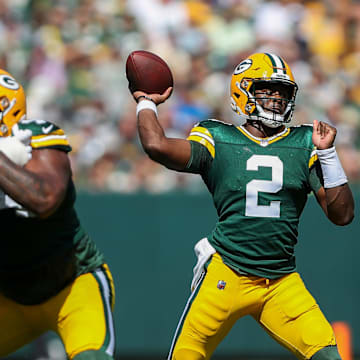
x,y
50,137
184,314
206,137
313,153
111,347
279,64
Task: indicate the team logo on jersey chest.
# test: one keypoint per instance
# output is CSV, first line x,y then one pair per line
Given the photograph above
x,y
221,284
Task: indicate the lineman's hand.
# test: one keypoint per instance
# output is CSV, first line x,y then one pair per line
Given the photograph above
x,y
156,98
15,150
323,136
23,135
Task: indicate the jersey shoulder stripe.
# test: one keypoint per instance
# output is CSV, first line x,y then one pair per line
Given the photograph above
x,y
205,132
313,159
46,135
203,137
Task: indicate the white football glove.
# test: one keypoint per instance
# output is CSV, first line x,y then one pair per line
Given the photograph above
x,y
17,147
23,135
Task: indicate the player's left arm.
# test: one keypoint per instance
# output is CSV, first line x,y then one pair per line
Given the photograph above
x,y
40,186
335,197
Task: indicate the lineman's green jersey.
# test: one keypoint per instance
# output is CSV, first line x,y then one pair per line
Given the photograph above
x,y
41,256
259,188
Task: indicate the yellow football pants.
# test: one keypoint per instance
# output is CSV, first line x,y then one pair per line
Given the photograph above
x,y
283,307
81,314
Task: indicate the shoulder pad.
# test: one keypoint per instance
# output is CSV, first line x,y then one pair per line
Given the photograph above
x,y
213,123
46,134
39,127
302,126
304,132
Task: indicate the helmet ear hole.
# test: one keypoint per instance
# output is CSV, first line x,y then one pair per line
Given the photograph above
x,y
4,103
249,108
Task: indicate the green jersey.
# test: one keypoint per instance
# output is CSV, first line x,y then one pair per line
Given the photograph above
x,y
41,256
259,188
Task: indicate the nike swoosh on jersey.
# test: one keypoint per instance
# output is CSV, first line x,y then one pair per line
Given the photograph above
x,y
47,129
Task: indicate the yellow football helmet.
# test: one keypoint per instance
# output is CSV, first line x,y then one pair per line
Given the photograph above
x,y
259,71
12,103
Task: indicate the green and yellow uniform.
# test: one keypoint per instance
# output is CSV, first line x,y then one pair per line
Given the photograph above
x,y
51,266
259,188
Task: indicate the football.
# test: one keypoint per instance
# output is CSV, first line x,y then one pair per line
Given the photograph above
x,y
148,72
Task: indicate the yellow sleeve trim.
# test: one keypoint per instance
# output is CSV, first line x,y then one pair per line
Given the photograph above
x,y
312,160
55,142
203,142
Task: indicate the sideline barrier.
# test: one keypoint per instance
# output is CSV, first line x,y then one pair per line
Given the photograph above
x,y
148,243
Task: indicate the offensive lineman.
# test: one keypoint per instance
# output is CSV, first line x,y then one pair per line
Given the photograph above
x,y
259,175
52,276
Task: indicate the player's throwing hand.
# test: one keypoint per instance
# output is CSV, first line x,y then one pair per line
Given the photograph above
x,y
156,98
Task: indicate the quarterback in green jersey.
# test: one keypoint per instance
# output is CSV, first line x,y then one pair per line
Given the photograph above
x,y
259,175
52,276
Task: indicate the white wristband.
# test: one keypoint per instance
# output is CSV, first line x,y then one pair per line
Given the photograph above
x,y
146,104
332,170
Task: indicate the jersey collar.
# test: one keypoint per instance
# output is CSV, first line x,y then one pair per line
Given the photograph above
x,y
264,141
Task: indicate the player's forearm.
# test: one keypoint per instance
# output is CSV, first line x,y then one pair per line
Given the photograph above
x,y
26,188
151,132
340,204
172,153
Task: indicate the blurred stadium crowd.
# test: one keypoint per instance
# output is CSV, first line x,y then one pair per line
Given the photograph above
x,y
70,55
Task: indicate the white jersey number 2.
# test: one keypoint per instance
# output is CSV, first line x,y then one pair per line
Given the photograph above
x,y
268,186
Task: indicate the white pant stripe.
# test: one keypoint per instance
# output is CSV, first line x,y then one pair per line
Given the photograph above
x,y
104,282
187,306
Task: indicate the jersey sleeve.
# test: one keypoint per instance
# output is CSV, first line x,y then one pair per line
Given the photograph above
x,y
316,178
202,150
46,135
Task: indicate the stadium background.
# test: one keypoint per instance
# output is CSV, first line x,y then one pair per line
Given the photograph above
x,y
70,55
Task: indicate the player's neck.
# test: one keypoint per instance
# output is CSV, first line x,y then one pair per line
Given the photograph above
x,y
258,129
